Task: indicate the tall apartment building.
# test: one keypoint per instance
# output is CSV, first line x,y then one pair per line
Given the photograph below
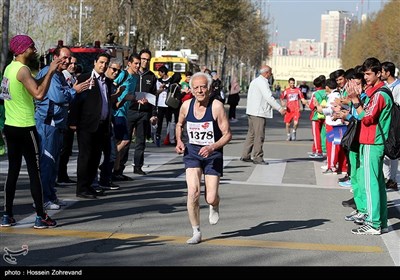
x,y
334,28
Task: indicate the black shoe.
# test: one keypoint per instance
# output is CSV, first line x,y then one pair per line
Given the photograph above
x,y
246,159
121,177
349,203
96,190
390,184
109,186
66,181
138,170
344,179
86,195
260,162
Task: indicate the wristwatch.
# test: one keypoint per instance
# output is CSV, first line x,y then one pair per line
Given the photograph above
x,y
356,105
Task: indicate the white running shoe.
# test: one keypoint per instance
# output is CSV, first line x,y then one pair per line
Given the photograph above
x,y
59,202
196,238
51,206
214,215
316,156
367,230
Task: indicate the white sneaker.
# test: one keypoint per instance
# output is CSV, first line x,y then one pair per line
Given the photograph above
x,y
316,156
59,202
366,230
330,171
294,136
214,215
48,206
51,206
288,138
196,238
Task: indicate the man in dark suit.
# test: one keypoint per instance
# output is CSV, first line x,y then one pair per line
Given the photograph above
x,y
90,116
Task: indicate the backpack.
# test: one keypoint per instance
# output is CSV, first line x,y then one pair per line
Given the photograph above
x,y
126,75
392,143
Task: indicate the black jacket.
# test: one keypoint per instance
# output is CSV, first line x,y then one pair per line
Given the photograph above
x,y
146,82
85,110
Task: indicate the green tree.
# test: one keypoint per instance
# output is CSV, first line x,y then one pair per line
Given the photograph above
x,y
223,33
377,37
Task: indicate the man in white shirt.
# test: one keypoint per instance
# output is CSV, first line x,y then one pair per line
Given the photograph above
x,y
260,104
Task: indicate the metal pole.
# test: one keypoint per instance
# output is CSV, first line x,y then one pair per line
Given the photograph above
x,y
182,41
128,23
161,42
80,22
240,74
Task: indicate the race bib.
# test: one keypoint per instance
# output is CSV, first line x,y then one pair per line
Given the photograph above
x,y
293,97
4,92
200,133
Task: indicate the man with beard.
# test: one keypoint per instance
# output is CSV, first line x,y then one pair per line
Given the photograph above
x,y
19,89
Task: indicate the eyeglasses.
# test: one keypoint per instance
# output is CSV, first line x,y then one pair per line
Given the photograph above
x,y
115,69
143,58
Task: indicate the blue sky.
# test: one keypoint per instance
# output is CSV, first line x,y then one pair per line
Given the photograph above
x,y
294,19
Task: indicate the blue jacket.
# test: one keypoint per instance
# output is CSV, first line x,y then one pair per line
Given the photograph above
x,y
53,109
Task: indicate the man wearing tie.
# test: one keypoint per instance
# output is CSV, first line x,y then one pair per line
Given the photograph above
x,y
90,116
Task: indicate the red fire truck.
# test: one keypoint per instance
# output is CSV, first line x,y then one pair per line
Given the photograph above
x,y
86,55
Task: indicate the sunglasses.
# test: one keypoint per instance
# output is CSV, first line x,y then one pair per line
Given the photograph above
x,y
115,69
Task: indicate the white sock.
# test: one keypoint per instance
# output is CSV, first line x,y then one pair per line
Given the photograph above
x,y
196,229
214,214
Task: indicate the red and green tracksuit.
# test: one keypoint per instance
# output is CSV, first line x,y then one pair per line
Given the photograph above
x,y
377,112
317,124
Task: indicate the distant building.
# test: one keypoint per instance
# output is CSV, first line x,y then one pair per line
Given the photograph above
x,y
302,68
306,59
306,47
334,29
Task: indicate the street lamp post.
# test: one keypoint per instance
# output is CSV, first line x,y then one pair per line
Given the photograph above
x,y
241,74
161,42
122,32
83,11
80,21
182,41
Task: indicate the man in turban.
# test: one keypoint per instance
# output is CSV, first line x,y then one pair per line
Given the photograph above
x,y
19,89
20,43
